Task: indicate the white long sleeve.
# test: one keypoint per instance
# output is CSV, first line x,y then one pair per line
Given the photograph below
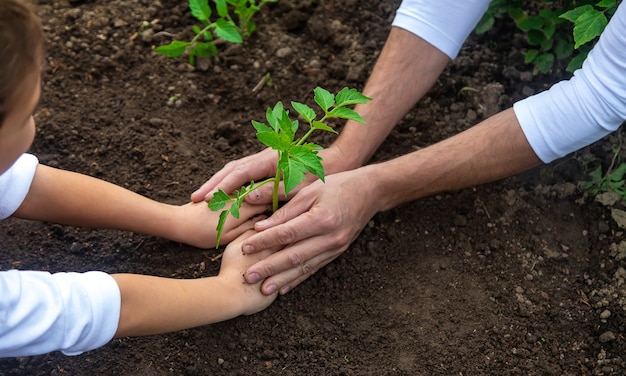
x,y
15,183
445,24
42,312
580,111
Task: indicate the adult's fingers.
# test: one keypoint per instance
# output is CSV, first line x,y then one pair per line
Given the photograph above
x,y
238,173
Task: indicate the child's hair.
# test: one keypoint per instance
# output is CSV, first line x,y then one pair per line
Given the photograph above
x,y
21,50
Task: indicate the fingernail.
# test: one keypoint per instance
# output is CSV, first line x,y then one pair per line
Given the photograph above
x,y
253,278
247,248
284,290
270,289
262,223
255,195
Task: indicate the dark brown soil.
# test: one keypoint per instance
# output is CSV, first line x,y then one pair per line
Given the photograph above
x,y
510,278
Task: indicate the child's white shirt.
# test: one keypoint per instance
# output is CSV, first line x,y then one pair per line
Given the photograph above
x,y
42,312
556,122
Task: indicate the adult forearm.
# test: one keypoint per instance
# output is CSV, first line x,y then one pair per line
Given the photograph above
x,y
406,69
494,149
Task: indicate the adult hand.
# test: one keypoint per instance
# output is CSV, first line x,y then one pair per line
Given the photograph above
x,y
316,226
257,167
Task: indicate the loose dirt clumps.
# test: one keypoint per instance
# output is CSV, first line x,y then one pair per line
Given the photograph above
x,y
519,277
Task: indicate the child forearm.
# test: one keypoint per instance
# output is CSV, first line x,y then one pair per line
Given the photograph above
x,y
154,305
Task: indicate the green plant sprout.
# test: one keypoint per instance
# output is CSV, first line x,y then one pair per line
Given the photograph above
x,y
611,181
548,33
295,156
223,29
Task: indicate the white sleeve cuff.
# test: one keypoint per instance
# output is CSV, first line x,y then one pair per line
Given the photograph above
x,y
15,183
445,24
42,312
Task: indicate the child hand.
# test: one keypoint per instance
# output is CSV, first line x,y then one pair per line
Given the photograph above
x,y
197,223
234,265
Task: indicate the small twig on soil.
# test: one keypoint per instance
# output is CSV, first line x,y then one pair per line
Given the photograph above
x,y
213,259
262,83
583,297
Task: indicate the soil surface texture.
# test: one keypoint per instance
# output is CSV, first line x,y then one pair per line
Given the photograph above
x,y
524,276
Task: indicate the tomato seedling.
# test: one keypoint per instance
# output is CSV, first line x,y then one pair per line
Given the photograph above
x,y
295,156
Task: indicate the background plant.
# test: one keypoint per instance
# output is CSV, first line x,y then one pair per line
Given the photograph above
x,y
296,157
224,27
556,30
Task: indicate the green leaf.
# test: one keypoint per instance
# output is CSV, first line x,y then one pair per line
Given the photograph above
x,y
260,127
546,44
274,140
287,127
200,9
222,8
234,210
324,98
517,14
485,24
205,49
323,127
347,113
606,3
544,63
293,172
530,56
535,37
174,49
572,15
306,155
347,96
563,49
227,31
531,23
220,227
576,62
588,26
305,111
219,200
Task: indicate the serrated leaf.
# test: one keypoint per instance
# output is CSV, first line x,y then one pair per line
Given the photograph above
x,y
347,113
220,227
588,26
234,210
293,173
286,125
222,8
323,127
309,159
305,111
227,31
324,98
535,37
572,15
260,127
174,49
200,9
219,200
273,140
347,97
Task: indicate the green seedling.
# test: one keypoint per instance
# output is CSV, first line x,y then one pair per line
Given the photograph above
x,y
223,28
549,34
295,156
